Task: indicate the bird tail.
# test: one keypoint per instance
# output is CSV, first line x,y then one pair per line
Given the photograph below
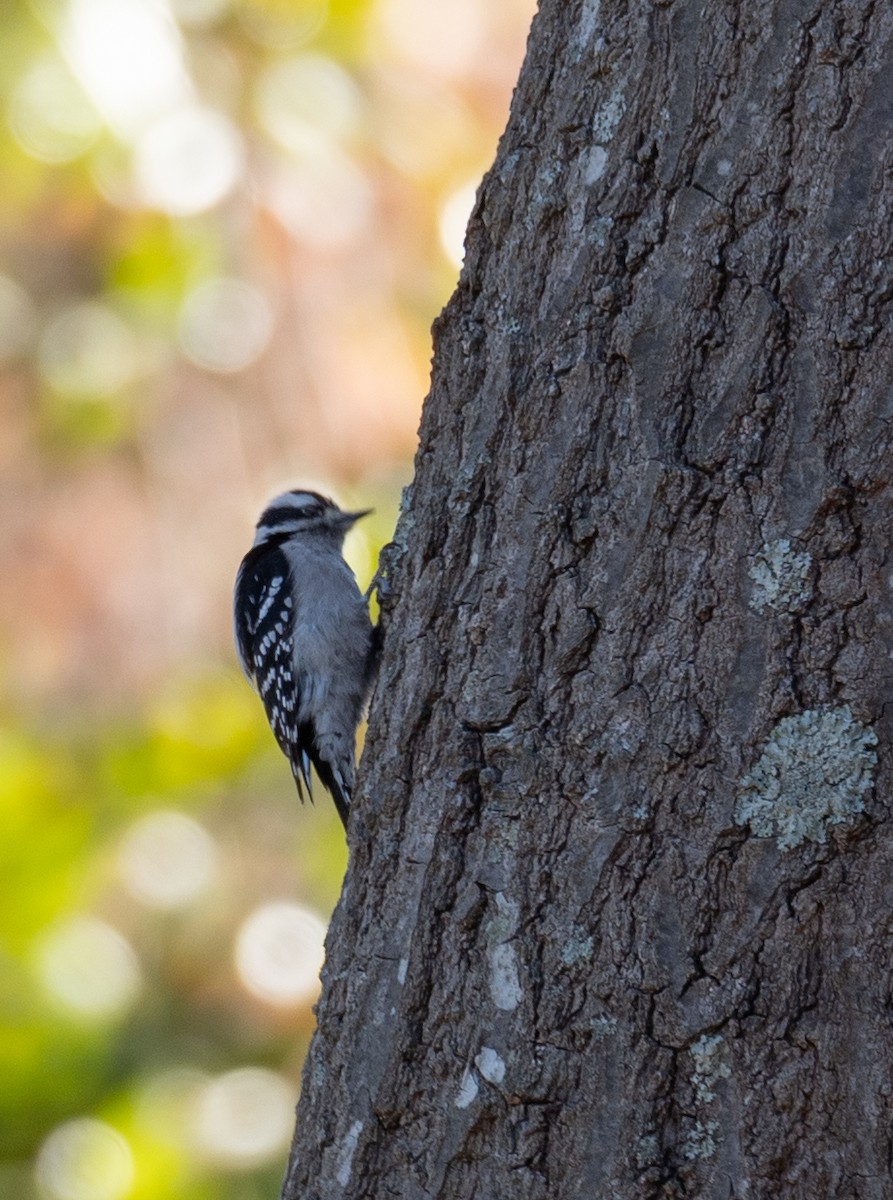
x,y
333,781
331,777
300,768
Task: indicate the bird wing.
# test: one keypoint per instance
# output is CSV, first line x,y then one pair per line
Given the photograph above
x,y
266,651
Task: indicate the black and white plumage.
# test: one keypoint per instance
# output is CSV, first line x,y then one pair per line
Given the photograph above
x,y
304,637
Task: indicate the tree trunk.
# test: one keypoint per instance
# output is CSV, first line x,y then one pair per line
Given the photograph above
x,y
617,916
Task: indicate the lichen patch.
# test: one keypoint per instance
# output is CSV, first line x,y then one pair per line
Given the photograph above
x,y
780,577
814,772
709,1068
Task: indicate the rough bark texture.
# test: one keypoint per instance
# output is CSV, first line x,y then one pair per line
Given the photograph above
x,y
617,917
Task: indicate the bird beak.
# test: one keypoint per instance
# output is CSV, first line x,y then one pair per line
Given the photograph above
x,y
346,519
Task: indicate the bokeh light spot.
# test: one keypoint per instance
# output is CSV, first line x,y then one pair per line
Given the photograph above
x,y
85,1159
88,967
279,953
324,201
50,115
128,56
245,1117
166,1105
166,859
282,24
188,160
88,350
302,96
225,324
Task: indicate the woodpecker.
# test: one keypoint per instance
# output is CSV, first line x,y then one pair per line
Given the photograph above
x,y
305,639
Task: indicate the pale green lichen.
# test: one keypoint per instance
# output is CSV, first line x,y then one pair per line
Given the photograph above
x,y
709,1068
813,772
701,1140
780,578
577,946
603,1026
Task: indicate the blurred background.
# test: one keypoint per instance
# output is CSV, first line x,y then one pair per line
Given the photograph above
x,y
225,229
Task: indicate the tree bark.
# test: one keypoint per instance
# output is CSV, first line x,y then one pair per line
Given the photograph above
x,y
617,917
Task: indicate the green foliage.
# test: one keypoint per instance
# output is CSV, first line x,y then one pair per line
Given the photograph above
x,y
196,734
69,803
153,262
